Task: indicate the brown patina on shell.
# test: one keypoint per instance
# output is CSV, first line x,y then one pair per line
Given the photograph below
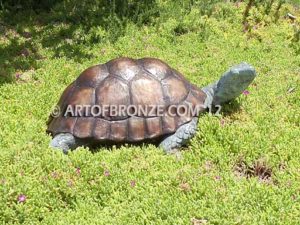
x,y
127,82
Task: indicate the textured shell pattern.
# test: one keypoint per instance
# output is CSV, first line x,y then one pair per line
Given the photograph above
x,y
126,81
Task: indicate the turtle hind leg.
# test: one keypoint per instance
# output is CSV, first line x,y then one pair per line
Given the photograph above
x,y
182,135
64,142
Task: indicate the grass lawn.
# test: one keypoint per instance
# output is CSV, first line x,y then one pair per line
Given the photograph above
x,y
242,167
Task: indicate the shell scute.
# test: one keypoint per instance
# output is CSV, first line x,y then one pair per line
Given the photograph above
x,y
127,82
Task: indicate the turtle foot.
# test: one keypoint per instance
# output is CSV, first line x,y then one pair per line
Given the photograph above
x,y
64,142
183,134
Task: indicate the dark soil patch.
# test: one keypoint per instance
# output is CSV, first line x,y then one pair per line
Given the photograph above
x,y
258,169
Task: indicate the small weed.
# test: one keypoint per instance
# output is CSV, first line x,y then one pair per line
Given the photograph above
x,y
258,169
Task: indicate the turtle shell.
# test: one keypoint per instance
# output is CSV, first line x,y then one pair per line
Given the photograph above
x,y
126,82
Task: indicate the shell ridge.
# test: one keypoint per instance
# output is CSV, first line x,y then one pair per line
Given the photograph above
x,y
147,133
111,75
165,96
146,71
74,125
51,118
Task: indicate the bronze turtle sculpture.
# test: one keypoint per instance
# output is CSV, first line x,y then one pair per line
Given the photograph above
x,y
131,83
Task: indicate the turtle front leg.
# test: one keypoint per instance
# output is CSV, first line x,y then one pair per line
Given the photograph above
x,y
230,86
64,142
180,137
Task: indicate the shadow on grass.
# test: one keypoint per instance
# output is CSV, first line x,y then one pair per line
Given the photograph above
x,y
18,53
66,30
231,108
227,109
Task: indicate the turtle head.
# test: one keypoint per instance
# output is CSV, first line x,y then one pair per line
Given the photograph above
x,y
245,73
234,82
